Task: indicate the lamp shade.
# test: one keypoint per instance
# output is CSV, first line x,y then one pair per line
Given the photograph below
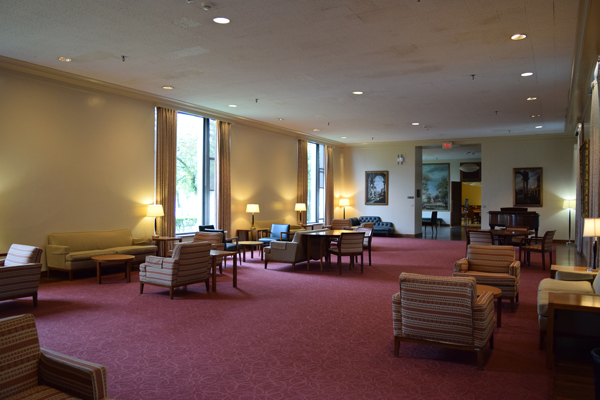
x,y
300,207
252,208
569,204
591,227
344,202
155,210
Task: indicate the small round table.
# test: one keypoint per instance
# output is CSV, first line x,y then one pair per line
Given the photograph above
x,y
113,258
252,244
497,295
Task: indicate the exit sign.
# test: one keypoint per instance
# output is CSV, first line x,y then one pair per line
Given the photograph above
x,y
447,145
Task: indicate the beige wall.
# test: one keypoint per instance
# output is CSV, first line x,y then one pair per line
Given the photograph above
x,y
71,159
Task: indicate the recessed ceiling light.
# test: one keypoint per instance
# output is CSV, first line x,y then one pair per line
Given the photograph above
x,y
232,105
279,119
535,115
64,59
518,36
316,130
168,87
221,20
357,92
415,123
531,98
343,137
538,127
527,74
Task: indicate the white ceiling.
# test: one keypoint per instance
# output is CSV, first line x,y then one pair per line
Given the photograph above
x,y
300,60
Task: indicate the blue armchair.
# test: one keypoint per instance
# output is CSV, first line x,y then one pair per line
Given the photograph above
x,y
278,232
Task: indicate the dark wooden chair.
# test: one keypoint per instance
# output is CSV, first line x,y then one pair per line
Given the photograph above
x,y
516,240
537,244
432,222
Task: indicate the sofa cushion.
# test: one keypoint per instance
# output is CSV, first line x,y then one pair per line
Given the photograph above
x,y
369,219
552,285
86,255
134,249
94,240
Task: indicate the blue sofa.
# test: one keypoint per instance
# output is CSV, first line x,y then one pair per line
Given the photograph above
x,y
380,228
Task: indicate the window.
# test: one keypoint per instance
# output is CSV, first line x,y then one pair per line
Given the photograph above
x,y
195,183
315,210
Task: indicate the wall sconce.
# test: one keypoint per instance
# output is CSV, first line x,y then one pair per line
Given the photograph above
x,y
252,208
344,203
300,207
400,159
155,210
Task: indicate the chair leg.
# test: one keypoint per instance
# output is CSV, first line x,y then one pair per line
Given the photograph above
x,y
70,275
479,359
369,256
339,256
266,262
171,292
207,286
512,303
293,266
543,261
396,346
141,288
35,299
492,341
48,273
362,263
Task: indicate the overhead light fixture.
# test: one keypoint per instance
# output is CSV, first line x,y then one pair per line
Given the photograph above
x,y
539,127
535,115
343,137
232,105
279,119
415,123
205,6
357,92
316,130
518,36
469,167
64,59
527,74
168,87
221,20
531,98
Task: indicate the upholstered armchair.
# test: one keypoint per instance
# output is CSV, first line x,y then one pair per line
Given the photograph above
x,y
277,232
29,372
292,252
20,272
189,264
339,224
215,238
231,243
443,311
492,266
351,245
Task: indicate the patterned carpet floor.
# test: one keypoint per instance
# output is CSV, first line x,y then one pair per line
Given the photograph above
x,y
286,334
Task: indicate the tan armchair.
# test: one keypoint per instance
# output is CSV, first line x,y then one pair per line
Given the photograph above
x,y
291,252
20,272
443,311
339,224
350,244
31,372
492,266
216,243
190,263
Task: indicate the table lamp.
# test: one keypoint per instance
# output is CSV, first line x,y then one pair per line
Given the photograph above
x,y
344,203
591,228
252,208
570,205
155,210
300,207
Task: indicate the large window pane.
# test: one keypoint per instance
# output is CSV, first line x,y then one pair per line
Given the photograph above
x,y
316,183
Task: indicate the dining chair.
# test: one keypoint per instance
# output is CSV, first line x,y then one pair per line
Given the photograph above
x,y
516,240
432,222
350,244
537,244
367,240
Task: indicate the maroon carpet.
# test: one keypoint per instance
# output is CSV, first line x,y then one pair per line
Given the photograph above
x,y
286,334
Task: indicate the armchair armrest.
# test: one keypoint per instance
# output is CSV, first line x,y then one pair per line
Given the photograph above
x,y
484,319
514,269
57,249
461,265
397,314
141,241
286,234
233,239
56,255
76,377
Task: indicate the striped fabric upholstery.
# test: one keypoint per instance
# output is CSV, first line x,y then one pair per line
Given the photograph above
x,y
215,239
351,243
484,319
340,224
493,266
19,281
20,254
436,308
23,364
480,237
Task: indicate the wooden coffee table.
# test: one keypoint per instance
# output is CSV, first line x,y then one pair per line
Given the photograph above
x,y
214,255
252,244
112,258
497,295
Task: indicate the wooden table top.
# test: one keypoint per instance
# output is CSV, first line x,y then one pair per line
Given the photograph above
x,y
571,268
574,301
511,232
485,288
113,257
336,232
222,253
250,242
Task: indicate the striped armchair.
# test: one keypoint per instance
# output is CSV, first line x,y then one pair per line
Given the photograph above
x,y
492,266
20,272
189,264
443,311
29,372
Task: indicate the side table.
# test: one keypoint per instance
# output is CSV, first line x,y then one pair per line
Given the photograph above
x,y
252,244
161,242
569,268
113,258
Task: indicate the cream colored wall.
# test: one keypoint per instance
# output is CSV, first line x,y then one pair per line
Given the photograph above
x,y
555,156
400,209
71,159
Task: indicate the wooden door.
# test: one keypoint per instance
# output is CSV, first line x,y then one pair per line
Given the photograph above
x,y
455,203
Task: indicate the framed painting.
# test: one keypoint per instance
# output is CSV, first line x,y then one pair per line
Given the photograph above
x,y
527,187
376,188
436,196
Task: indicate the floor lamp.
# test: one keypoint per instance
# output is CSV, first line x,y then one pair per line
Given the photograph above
x,y
591,228
570,205
344,203
155,210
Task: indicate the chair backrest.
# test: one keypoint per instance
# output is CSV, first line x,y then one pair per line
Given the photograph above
x,y
369,225
495,259
351,242
211,237
278,229
441,308
368,234
434,217
480,238
205,227
20,355
548,239
340,223
19,254
192,258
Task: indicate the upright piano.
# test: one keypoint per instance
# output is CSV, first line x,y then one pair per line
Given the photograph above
x,y
515,216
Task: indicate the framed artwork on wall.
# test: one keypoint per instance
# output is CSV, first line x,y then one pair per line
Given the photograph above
x,y
436,196
527,187
376,188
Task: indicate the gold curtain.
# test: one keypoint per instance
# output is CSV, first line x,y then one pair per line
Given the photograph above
x,y
223,176
302,196
166,167
594,168
329,198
